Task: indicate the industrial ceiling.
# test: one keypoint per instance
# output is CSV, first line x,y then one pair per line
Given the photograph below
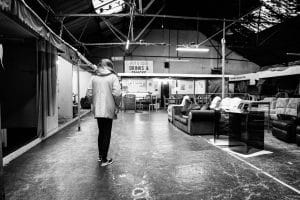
x,y
264,31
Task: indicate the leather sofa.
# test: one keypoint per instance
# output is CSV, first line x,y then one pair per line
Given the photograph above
x,y
170,108
298,135
198,122
287,111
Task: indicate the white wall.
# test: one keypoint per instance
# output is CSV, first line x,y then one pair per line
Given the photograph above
x,y
52,121
64,85
84,79
200,63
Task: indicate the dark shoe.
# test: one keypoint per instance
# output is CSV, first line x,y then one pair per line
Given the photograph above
x,y
107,162
100,159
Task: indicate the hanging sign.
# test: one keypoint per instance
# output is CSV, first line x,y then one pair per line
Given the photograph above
x,y
138,66
5,5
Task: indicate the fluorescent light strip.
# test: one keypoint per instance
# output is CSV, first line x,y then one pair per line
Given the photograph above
x,y
188,49
177,60
127,45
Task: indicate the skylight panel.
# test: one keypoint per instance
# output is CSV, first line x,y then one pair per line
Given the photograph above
x,y
270,13
108,6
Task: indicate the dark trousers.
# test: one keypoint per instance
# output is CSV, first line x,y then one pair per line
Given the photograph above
x,y
104,125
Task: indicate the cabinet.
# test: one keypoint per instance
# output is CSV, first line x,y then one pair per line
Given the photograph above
x,y
246,131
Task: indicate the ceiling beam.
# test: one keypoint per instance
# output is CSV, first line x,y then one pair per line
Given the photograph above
x,y
148,24
114,28
49,9
216,49
148,6
111,29
124,43
163,16
141,6
226,27
130,29
146,15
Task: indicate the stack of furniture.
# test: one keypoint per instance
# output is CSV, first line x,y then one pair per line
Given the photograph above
x,y
288,114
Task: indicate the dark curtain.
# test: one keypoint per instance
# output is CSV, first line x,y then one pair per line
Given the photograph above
x,y
47,81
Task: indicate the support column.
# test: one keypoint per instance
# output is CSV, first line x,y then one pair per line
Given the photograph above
x,y
78,97
2,196
223,61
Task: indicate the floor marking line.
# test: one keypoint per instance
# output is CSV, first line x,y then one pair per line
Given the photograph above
x,y
258,169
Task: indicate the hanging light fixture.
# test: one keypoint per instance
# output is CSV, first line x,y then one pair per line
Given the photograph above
x,y
189,49
192,48
127,45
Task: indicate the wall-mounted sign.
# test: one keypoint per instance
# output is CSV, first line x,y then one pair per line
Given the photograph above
x,y
185,87
244,77
5,5
138,66
200,86
134,85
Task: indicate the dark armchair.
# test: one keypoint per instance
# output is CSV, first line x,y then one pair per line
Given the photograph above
x,y
287,110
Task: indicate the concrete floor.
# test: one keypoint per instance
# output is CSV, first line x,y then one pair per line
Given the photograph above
x,y
153,160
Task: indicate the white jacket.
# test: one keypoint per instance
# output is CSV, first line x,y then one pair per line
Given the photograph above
x,y
106,93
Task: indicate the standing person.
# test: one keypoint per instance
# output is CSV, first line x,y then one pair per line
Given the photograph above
x,y
105,91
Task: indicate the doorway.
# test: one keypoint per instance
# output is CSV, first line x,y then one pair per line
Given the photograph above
x,y
165,92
